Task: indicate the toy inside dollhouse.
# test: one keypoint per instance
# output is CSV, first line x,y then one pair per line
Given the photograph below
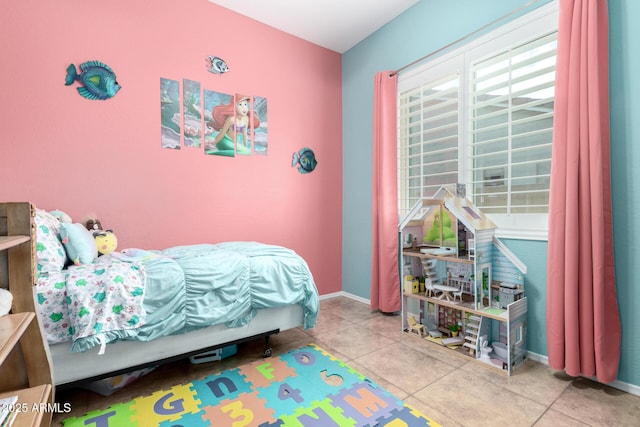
x,y
461,286
441,256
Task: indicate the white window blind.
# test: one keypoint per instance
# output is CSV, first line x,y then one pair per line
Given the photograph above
x,y
512,123
429,128
482,115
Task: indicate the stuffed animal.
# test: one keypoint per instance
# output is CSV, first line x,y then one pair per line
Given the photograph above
x,y
93,224
106,241
62,217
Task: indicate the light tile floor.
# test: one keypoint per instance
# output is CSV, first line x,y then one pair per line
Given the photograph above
x,y
449,387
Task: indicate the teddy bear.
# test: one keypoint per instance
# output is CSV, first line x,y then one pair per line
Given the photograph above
x,y
93,224
106,240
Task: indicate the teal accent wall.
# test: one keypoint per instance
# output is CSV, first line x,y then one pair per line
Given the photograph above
x,y
432,24
624,95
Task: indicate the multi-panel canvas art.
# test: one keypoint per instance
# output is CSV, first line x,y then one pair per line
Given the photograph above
x,y
223,124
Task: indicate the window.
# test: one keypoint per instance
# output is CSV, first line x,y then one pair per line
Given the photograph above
x,y
482,115
430,131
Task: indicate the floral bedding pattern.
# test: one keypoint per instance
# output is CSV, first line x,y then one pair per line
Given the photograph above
x,y
96,299
143,295
50,299
50,254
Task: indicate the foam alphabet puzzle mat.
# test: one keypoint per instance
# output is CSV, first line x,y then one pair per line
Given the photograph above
x,y
304,387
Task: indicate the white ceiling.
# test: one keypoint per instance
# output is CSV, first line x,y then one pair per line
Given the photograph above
x,y
334,24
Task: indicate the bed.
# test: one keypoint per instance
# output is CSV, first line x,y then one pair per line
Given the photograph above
x,y
135,308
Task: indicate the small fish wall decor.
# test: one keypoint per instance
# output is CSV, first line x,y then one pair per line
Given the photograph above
x,y
217,65
305,160
97,80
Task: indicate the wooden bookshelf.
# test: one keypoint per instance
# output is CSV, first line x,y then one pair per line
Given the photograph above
x,y
7,242
25,367
29,401
14,328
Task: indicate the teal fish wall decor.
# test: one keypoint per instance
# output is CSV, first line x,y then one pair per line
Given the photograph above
x,y
305,159
217,65
97,80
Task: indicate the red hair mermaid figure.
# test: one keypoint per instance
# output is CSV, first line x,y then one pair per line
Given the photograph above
x,y
232,122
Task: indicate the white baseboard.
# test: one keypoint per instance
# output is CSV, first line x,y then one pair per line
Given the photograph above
x,y
626,387
347,295
332,295
538,358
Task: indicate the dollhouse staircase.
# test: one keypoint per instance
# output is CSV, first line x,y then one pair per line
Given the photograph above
x,y
430,275
471,333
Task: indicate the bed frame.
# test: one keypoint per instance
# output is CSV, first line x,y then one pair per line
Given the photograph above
x,y
70,369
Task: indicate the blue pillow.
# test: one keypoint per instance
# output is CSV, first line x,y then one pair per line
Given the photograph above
x,y
79,243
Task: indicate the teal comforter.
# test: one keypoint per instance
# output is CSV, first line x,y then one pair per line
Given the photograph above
x,y
190,287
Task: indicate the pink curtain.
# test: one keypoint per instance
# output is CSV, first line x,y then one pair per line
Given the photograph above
x,y
385,279
583,323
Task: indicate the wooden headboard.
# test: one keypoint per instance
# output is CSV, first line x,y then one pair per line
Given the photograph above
x,y
19,275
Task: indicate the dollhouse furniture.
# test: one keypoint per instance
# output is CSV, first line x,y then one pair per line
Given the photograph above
x,y
430,276
446,291
195,299
430,288
416,327
458,294
481,280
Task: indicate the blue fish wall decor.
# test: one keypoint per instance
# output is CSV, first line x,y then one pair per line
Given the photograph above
x,y
305,159
217,65
97,80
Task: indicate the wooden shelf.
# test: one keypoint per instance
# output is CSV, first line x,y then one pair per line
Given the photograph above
x,y
7,242
12,326
450,258
31,400
458,306
34,400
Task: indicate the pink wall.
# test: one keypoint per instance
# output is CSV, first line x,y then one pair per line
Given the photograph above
x,y
61,151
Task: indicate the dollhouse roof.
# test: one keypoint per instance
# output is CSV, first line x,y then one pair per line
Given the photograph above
x,y
461,207
464,210
510,255
472,218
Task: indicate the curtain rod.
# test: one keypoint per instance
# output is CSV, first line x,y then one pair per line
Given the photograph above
x,y
453,43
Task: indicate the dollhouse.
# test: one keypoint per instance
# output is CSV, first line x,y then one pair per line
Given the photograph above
x,y
461,282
